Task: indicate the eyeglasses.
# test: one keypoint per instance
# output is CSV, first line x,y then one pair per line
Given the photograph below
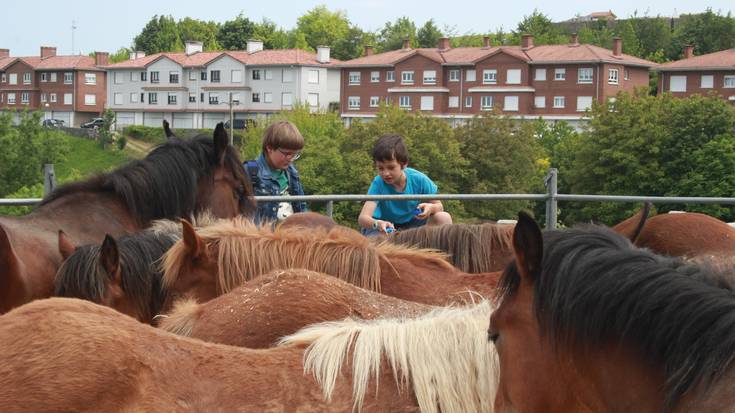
x,y
294,155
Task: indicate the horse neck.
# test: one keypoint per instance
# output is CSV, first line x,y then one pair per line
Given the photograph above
x,y
483,283
415,279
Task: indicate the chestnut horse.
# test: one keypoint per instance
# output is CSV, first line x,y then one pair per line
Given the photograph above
x,y
218,258
586,320
262,310
308,220
65,354
177,179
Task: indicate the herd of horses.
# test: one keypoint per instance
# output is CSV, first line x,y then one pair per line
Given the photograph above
x,y
149,288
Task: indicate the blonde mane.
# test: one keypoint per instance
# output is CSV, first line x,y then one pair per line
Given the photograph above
x,y
246,251
426,255
444,356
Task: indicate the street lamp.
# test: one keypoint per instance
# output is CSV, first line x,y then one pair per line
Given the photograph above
x,y
232,103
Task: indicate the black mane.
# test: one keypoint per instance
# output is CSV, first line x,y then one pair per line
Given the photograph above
x,y
595,287
164,184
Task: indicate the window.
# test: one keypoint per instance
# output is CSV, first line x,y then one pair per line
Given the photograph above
x,y
11,98
192,75
3,78
560,74
43,77
559,101
52,97
256,97
13,80
143,76
173,77
26,78
267,97
729,81
118,98
25,97
540,74
390,76
117,78
142,97
490,76
287,76
486,103
470,75
286,99
612,76
468,101
626,74
513,77
90,78
584,103
68,78
454,75
1,97
213,98
354,78
404,102
152,98
236,76
133,76
133,98
407,77
173,98
203,75
353,102
375,76
584,75
453,101
52,78
429,77
43,98
707,81
192,98
539,102
678,84
510,103
374,101
313,76
256,74
155,77
67,99
268,74
201,97
427,102
214,76
313,99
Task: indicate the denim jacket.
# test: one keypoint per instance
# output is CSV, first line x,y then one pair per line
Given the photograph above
x,y
268,185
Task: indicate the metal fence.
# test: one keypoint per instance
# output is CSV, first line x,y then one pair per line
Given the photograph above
x,y
551,197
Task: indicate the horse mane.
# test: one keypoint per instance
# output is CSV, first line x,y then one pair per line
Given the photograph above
x,y
247,251
426,255
468,245
182,317
81,275
444,355
594,286
164,183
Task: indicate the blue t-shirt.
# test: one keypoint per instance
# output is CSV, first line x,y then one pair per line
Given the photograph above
x,y
400,212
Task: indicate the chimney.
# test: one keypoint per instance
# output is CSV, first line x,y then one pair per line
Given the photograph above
x,y
688,51
526,41
101,58
406,43
617,46
136,54
443,43
4,52
575,39
192,47
368,50
47,51
486,41
254,45
322,54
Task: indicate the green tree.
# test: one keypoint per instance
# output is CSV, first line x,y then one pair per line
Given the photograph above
x,y
428,35
198,30
653,34
160,34
272,36
353,44
392,35
121,55
708,32
105,134
234,34
541,27
322,27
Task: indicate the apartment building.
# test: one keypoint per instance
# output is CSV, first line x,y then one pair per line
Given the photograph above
x,y
554,82
69,88
197,89
712,73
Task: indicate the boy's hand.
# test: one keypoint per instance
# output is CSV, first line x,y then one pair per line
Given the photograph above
x,y
384,225
426,210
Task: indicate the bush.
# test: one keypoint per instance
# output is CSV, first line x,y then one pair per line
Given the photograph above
x,y
121,143
145,133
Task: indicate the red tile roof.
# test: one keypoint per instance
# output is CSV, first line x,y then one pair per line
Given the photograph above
x,y
78,62
724,59
263,57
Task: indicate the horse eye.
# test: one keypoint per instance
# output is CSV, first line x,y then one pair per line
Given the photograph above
x,y
492,336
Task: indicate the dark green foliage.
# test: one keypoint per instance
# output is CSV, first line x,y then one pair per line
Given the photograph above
x,y
234,34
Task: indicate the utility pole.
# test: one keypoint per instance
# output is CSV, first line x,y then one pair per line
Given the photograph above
x,y
232,121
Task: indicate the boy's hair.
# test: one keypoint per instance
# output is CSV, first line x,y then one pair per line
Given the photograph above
x,y
390,147
283,134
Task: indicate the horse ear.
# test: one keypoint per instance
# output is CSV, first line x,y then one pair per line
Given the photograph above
x,y
632,227
528,247
110,256
221,141
194,244
167,130
8,259
66,248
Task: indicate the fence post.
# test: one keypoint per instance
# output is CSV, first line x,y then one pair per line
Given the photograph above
x,y
551,189
330,208
49,179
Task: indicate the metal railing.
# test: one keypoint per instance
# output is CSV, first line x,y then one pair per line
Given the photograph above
x,y
551,197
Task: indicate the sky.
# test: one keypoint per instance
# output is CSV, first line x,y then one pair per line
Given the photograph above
x,y
24,27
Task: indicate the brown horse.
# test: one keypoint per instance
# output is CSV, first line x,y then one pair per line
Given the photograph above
x,y
587,321
259,312
308,220
216,259
472,248
177,179
71,355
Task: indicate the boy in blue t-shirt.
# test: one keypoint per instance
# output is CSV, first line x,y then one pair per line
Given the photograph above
x,y
395,178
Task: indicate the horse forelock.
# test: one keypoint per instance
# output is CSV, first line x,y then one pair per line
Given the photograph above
x,y
444,356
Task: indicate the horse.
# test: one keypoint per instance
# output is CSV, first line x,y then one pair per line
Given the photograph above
x,y
586,320
63,354
214,260
177,179
308,220
473,248
259,312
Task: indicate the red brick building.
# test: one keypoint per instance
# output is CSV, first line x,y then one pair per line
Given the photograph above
x,y
699,75
555,82
69,88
